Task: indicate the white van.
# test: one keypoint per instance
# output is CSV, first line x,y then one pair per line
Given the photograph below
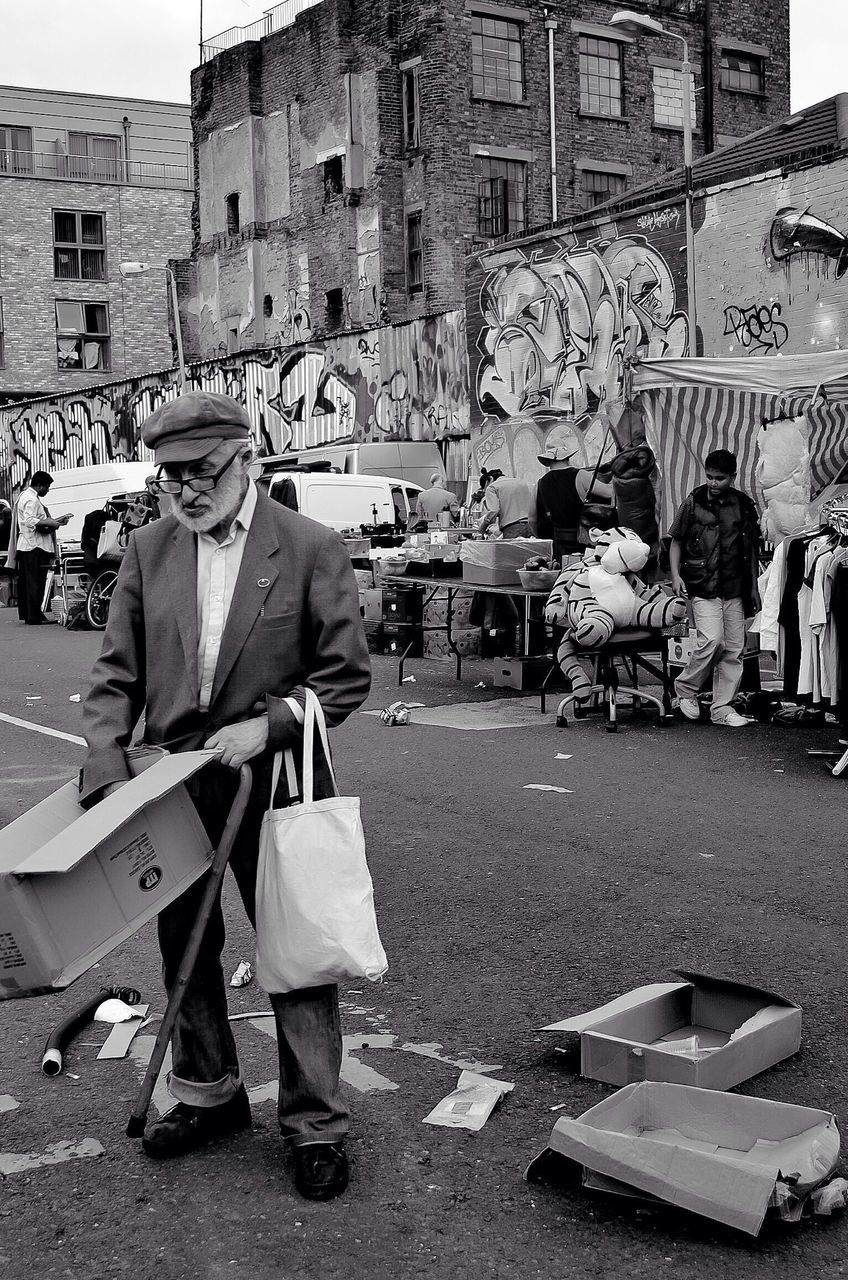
x,y
344,501
414,460
78,490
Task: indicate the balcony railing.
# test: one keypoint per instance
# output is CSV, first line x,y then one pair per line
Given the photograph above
x,y
133,173
275,19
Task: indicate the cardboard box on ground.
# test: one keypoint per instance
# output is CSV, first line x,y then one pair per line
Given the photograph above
x,y
76,883
724,1156
701,1031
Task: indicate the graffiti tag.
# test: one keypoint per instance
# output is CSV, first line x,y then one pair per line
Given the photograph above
x,y
659,220
757,328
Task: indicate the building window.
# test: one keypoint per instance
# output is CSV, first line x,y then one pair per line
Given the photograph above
x,y
743,72
411,119
668,97
501,196
2,342
82,335
15,149
414,252
334,307
597,186
600,77
497,58
268,306
233,220
79,245
334,176
233,337
94,156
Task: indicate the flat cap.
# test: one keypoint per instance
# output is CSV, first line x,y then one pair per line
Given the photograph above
x,y
192,425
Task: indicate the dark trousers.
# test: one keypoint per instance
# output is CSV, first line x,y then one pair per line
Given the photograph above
x,y
33,567
205,1062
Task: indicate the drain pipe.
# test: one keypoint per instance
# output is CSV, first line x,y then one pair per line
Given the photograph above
x,y
551,25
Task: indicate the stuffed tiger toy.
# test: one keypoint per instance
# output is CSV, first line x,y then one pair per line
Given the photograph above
x,y
592,597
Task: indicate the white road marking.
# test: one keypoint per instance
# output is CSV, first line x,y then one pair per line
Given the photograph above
x,y
40,728
56,1153
8,1103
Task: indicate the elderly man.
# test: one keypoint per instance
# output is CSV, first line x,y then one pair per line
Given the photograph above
x,y
224,610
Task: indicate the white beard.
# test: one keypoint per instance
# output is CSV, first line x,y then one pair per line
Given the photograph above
x,y
223,505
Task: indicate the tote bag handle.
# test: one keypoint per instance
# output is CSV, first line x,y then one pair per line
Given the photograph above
x,y
313,713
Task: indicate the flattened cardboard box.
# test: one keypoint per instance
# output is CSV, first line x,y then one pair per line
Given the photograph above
x,y
716,1154
741,1030
75,883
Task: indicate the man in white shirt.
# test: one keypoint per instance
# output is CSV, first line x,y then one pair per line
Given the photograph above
x,y
223,612
35,547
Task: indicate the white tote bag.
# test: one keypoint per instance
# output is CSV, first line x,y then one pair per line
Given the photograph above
x,y
315,918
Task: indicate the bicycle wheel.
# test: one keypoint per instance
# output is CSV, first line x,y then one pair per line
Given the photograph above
x,y
99,598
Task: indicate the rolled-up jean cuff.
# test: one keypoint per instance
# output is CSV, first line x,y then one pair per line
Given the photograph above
x,y
199,1093
305,1140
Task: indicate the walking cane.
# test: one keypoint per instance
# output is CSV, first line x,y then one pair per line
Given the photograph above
x,y
138,1117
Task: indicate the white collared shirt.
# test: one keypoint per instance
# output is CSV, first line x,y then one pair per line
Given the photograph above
x,y
31,511
218,567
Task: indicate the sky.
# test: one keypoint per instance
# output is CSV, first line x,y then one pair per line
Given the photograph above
x,y
147,48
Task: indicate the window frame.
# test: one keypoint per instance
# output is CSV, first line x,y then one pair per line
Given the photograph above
x,y
92,161
505,200
410,81
2,337
675,69
104,339
232,212
78,246
479,54
414,253
585,73
7,163
743,55
598,171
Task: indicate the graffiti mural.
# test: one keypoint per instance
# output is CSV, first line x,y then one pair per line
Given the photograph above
x,y
757,328
408,382
557,322
771,264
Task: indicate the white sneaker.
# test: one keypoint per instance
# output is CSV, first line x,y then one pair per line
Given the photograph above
x,y
730,719
689,707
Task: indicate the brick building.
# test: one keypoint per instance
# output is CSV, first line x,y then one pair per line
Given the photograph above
x,y
86,183
349,155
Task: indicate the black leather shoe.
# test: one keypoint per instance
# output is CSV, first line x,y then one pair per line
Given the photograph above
x,y
321,1170
186,1128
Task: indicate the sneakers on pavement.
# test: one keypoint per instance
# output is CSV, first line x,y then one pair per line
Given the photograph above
x,y
730,719
689,707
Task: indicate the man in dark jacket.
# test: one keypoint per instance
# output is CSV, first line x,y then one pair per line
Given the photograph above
x,y
224,611
561,495
713,559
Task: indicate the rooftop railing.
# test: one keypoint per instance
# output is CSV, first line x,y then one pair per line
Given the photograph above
x,y
274,19
133,173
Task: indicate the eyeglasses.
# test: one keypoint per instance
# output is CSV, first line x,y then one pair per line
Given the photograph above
x,y
197,484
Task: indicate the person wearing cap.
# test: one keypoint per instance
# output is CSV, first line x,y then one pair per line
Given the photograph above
x,y
561,495
36,548
432,502
224,610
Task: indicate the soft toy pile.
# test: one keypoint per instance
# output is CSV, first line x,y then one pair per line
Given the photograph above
x,y
593,597
783,476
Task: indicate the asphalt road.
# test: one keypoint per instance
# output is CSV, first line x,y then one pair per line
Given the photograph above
x,y
501,909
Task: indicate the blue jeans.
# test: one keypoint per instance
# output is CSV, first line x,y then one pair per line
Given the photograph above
x,y
205,1062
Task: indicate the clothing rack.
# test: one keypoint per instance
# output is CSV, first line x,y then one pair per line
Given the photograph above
x,y
834,515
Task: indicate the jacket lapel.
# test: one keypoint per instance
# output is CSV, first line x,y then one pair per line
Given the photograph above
x,y
256,578
182,571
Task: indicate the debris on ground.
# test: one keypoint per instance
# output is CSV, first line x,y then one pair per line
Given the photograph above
x,y
243,975
471,1103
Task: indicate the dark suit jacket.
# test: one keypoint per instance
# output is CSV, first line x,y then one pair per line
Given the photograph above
x,y
294,620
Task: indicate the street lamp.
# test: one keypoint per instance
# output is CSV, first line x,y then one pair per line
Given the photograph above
x,y
140,269
635,24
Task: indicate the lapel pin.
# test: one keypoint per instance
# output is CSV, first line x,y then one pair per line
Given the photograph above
x,y
264,582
